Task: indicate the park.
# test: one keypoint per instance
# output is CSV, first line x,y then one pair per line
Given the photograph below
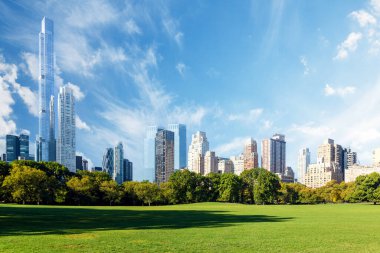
x,y
199,227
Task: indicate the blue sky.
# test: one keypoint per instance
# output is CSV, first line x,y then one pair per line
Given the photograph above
x,y
307,69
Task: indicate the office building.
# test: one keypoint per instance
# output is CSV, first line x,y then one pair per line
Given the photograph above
x,y
180,146
376,157
303,163
45,143
85,164
118,163
349,158
353,171
273,154
148,173
251,157
225,165
17,147
287,176
319,174
164,165
128,170
107,164
79,162
197,149
4,157
66,128
97,169
210,163
238,164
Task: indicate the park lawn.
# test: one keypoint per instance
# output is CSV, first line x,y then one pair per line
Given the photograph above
x,y
202,227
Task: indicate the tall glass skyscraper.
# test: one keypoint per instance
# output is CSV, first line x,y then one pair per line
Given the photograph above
x,y
180,152
17,147
66,128
118,164
107,165
45,143
148,172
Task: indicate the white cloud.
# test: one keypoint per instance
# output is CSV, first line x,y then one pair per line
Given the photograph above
x,y
132,27
78,94
375,4
340,91
247,117
31,61
349,45
171,26
235,146
311,129
305,65
181,67
363,18
81,124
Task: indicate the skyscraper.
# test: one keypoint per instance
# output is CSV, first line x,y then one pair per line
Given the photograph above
x,y
12,147
128,170
148,172
303,163
197,149
78,162
210,163
164,152
273,154
251,157
45,143
66,128
24,146
180,152
107,164
118,164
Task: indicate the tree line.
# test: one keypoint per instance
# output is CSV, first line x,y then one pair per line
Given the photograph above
x,y
30,182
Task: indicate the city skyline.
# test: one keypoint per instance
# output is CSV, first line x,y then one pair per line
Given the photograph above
x,y
159,73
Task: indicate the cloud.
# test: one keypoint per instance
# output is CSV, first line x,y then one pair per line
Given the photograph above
x,y
248,117
171,27
81,124
31,68
363,18
132,27
375,4
311,129
349,45
181,67
235,146
340,91
305,64
78,94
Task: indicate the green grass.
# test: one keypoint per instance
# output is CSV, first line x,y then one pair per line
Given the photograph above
x,y
204,227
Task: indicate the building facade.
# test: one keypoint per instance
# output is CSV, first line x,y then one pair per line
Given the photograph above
x,y
210,163
45,143
197,149
17,147
238,164
376,157
128,170
225,165
273,154
180,146
118,163
352,172
148,172
79,162
303,163
66,128
107,164
319,174
251,157
164,165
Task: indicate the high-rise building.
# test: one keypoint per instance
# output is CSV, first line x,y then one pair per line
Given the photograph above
x,y
66,128
118,163
17,147
128,170
355,170
45,143
326,152
251,157
210,163
12,147
85,164
78,162
148,172
319,174
287,176
164,155
180,153
349,158
273,154
303,163
107,164
225,165
238,162
197,149
4,157
376,157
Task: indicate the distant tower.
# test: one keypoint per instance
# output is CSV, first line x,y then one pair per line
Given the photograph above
x,y
273,154
197,150
180,152
118,164
66,128
164,153
45,143
148,172
251,157
303,163
107,165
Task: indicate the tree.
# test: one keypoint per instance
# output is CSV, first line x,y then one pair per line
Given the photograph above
x,y
229,188
4,171
26,184
248,178
111,191
81,189
213,187
266,188
130,196
167,193
366,186
376,195
184,185
289,193
147,192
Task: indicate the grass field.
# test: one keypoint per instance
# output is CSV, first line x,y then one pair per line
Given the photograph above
x,y
204,227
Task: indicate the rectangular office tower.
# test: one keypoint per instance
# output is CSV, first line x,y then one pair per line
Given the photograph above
x,y
17,147
148,172
164,156
45,143
66,129
273,154
180,152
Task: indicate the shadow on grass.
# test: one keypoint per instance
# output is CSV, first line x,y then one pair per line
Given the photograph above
x,y
65,220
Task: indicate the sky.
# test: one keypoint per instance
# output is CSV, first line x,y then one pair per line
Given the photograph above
x,y
234,69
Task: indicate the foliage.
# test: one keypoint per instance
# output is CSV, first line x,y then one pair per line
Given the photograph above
x,y
229,188
266,188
